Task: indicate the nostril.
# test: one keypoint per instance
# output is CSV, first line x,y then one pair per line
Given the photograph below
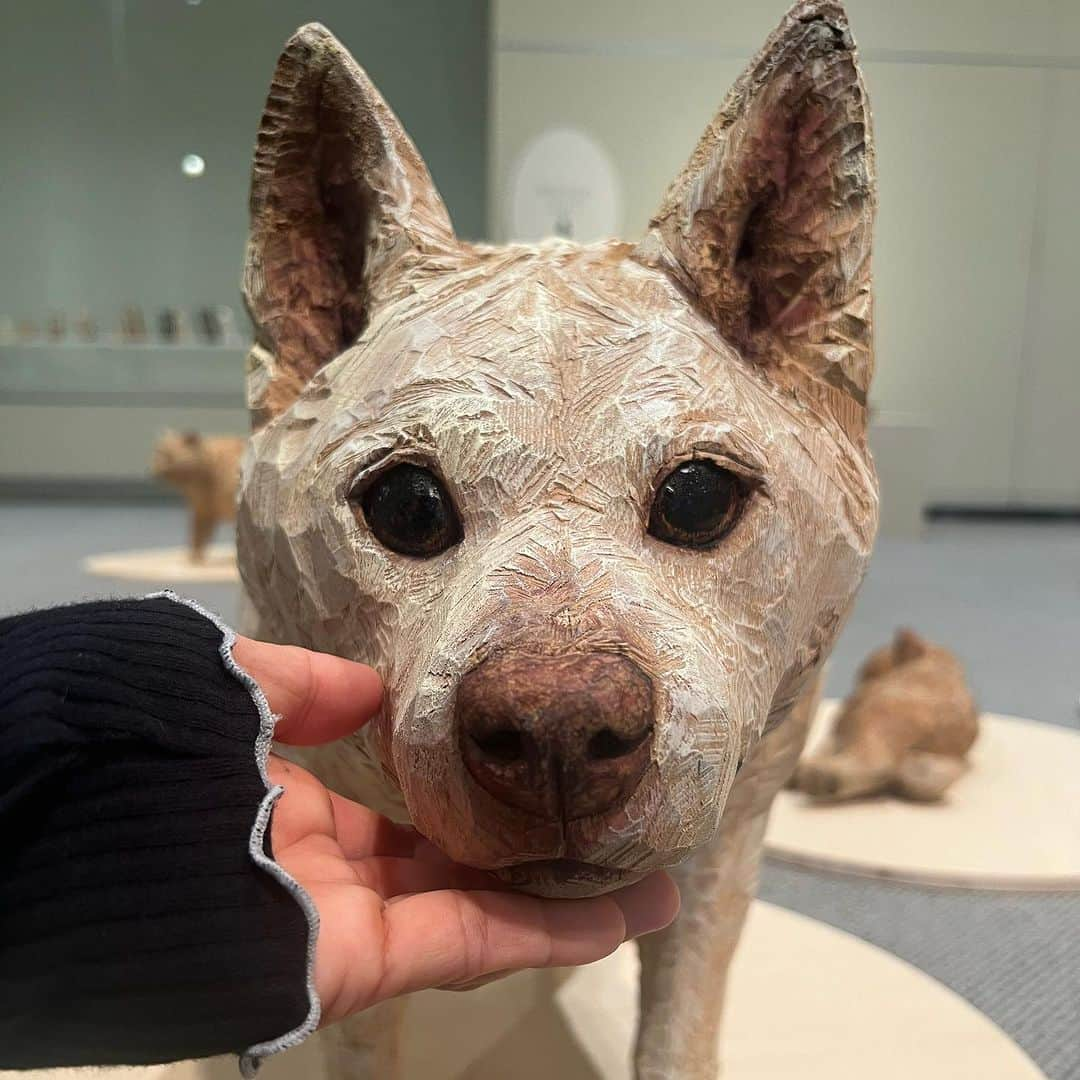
x,y
606,744
503,745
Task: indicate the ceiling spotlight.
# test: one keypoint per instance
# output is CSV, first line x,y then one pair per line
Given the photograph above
x,y
192,165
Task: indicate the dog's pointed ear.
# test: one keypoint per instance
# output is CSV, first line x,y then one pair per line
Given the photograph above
x,y
338,195
907,645
768,228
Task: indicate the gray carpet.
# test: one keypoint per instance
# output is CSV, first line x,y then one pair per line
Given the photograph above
x,y
1005,597
42,544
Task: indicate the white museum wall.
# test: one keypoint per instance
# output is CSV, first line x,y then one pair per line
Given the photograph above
x,y
978,241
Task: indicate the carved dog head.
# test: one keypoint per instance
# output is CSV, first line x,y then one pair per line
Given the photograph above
x,y
595,512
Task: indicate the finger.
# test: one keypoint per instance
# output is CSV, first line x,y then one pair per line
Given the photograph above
x,y
319,697
439,938
649,905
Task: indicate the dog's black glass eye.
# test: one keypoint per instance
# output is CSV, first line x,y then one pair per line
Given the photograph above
x,y
696,504
409,511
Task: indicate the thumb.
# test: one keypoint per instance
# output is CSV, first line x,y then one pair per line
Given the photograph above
x,y
319,697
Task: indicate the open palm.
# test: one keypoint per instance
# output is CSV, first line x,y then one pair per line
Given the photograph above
x,y
396,914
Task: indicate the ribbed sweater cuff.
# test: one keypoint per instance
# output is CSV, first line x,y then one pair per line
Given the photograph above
x,y
142,918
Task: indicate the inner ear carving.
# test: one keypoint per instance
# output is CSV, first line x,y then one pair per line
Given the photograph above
x,y
338,196
347,207
746,253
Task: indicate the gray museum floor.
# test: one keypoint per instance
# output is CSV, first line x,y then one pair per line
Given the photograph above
x,y
1005,597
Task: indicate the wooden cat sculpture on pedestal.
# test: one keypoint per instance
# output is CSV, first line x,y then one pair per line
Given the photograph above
x,y
906,728
596,512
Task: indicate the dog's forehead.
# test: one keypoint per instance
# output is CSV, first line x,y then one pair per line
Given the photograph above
x,y
584,333
545,314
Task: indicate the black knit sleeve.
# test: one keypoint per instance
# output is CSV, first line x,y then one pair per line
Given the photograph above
x,y
135,924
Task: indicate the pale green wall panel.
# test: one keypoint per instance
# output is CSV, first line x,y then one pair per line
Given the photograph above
x,y
100,99
1028,29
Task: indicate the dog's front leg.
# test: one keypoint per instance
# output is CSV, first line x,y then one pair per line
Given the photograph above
x,y
684,968
366,1046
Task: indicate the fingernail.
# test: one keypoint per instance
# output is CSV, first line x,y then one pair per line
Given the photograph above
x,y
649,905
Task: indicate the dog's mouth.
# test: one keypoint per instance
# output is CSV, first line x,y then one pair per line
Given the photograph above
x,y
565,878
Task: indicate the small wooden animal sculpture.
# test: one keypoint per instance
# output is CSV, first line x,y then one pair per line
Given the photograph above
x,y
906,728
206,470
56,326
27,330
86,329
132,326
595,512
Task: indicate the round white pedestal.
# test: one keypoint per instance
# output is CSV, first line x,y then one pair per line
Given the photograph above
x,y
805,1001
1011,822
166,566
808,1001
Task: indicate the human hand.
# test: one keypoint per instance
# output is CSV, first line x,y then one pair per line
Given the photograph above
x,y
396,915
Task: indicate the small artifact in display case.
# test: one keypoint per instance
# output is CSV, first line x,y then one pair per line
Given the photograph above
x,y
217,325
207,322
205,469
168,329
27,331
86,329
173,326
132,326
906,729
56,326
8,333
226,321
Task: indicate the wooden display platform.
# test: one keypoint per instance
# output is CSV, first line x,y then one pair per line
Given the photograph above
x,y
166,566
810,1002
806,1001
1012,822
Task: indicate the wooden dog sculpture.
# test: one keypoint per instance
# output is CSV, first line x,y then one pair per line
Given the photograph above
x,y
205,469
906,728
596,512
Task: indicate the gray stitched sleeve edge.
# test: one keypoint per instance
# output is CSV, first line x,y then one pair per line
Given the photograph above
x,y
252,1057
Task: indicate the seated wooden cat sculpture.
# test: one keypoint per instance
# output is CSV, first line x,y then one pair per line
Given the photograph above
x,y
906,728
596,512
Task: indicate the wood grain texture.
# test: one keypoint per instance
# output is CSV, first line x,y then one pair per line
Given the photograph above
x,y
551,389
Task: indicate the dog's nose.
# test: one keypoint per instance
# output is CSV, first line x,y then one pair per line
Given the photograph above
x,y
562,737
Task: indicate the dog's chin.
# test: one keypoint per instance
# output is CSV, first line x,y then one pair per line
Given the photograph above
x,y
565,879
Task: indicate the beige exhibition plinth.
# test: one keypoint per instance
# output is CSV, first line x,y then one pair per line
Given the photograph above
x,y
806,1001
166,566
1011,822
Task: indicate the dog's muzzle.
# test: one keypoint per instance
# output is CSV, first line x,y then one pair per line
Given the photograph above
x,y
556,737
